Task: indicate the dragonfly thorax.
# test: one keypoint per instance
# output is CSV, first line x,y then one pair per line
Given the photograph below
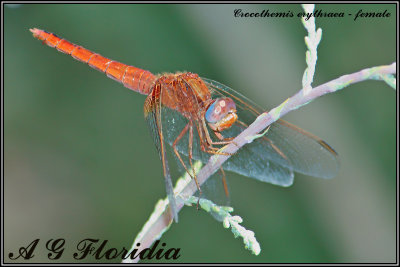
x,y
184,92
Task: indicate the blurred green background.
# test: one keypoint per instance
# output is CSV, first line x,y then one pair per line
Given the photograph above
x,y
80,162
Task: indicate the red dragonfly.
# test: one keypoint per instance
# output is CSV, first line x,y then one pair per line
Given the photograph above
x,y
180,104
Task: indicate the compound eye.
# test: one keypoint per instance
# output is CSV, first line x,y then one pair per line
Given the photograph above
x,y
218,110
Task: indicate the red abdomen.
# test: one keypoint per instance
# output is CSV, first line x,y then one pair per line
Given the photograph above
x,y
131,77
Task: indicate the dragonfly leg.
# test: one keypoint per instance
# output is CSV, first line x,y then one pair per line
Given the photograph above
x,y
216,151
224,182
190,153
183,132
203,143
209,148
189,127
222,138
225,141
207,134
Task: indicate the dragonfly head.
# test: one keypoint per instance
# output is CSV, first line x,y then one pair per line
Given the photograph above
x,y
221,114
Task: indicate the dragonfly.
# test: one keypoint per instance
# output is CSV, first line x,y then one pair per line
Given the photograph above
x,y
197,117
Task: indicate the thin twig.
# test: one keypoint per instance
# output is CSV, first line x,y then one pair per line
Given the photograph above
x,y
312,41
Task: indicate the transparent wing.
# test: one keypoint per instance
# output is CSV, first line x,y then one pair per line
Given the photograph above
x,y
284,148
152,113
